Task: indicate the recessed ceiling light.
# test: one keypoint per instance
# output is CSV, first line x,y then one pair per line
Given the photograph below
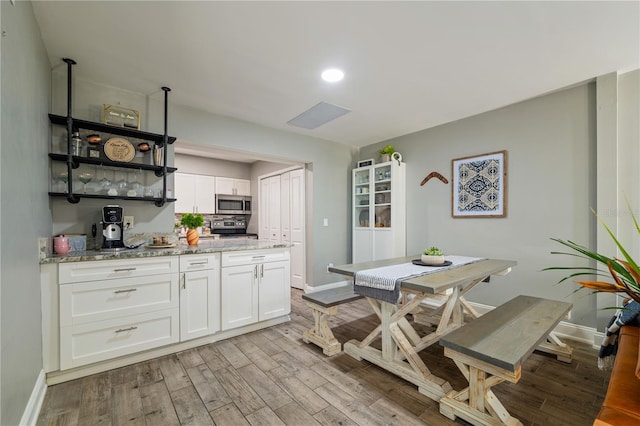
x,y
332,75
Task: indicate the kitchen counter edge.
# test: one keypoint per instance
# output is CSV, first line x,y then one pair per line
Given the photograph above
x,y
215,246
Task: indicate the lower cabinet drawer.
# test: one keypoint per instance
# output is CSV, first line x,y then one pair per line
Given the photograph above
x,y
98,341
109,299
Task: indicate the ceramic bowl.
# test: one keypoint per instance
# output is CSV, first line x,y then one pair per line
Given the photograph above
x,y
432,260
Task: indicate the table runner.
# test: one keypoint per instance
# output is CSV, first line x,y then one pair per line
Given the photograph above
x,y
384,283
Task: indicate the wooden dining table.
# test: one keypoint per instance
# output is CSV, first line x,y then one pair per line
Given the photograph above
x,y
400,342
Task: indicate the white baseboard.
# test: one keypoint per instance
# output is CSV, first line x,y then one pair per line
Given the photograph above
x,y
32,410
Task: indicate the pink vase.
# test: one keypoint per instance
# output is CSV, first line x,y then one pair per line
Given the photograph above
x,y
61,245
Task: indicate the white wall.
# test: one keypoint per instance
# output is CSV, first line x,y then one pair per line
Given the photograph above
x,y
24,211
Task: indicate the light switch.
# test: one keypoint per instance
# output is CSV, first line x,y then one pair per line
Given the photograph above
x,y
325,222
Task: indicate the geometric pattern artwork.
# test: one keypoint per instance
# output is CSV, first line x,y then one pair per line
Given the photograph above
x,y
479,185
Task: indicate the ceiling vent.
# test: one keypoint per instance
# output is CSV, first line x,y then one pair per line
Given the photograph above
x,y
318,115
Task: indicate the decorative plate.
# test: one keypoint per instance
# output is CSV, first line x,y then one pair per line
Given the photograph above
x,y
119,149
421,263
159,246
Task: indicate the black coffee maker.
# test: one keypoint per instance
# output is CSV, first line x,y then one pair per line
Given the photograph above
x,y
112,227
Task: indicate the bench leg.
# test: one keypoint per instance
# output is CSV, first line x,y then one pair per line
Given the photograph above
x,y
477,404
321,333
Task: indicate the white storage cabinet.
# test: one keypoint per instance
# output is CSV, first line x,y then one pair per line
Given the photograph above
x,y
112,308
199,295
255,286
232,186
379,212
194,193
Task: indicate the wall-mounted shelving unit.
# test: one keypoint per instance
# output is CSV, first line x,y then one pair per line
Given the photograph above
x,y
74,161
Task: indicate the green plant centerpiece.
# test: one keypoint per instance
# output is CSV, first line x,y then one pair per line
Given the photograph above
x,y
432,256
192,222
624,272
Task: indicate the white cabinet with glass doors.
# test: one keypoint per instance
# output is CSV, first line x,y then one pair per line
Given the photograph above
x,y
379,211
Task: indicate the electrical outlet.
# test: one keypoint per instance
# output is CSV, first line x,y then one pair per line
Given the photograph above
x,y
328,266
128,222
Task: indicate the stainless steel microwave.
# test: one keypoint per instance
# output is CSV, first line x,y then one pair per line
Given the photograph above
x,y
233,204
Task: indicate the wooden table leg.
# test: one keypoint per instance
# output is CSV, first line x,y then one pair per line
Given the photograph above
x,y
555,346
400,346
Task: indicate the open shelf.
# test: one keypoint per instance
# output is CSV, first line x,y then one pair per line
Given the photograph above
x,y
115,130
158,201
104,162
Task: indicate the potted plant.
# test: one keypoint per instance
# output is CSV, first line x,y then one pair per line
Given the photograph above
x,y
385,153
432,256
624,272
192,222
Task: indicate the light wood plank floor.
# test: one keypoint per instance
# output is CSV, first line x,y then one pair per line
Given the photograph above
x,y
270,377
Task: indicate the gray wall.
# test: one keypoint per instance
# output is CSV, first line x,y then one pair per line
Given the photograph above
x,y
551,144
25,214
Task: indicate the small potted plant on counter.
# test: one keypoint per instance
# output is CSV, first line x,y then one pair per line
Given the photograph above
x,y
192,222
432,256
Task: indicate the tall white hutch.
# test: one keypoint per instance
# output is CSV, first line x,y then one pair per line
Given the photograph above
x,y
379,211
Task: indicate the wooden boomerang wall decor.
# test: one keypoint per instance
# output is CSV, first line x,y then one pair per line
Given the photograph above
x,y
432,175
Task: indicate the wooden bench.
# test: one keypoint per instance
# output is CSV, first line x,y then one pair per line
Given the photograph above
x,y
490,350
324,304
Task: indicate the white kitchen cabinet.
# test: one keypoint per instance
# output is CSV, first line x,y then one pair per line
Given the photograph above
x,y
232,186
113,308
199,295
255,286
194,193
379,212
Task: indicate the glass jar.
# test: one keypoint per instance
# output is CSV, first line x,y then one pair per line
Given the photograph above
x,y
76,144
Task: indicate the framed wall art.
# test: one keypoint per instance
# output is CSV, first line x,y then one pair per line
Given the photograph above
x,y
479,186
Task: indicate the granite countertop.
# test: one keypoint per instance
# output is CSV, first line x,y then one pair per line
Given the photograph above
x,y
204,246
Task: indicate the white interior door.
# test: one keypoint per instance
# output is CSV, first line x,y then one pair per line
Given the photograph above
x,y
274,209
282,213
296,228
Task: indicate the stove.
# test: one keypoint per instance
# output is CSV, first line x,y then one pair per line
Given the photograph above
x,y
229,226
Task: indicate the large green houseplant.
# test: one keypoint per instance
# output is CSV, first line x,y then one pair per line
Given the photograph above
x,y
624,272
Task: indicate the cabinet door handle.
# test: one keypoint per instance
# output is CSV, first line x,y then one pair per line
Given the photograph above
x,y
262,270
255,272
184,281
197,263
125,291
122,330
124,270
258,257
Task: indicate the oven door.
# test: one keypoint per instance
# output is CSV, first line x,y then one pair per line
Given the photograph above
x,y
229,204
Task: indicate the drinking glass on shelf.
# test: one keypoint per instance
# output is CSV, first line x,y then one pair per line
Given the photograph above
x,y
85,178
135,186
122,185
64,178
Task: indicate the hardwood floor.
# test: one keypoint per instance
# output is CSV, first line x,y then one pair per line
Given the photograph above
x,y
270,377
